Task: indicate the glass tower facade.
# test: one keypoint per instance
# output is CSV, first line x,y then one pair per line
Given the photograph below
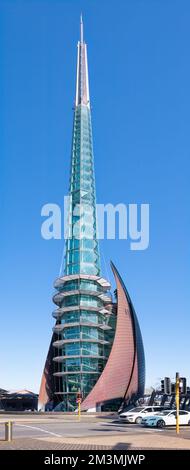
x,y
96,347
85,323
82,252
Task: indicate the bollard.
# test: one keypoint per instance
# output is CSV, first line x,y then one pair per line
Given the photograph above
x,y
8,431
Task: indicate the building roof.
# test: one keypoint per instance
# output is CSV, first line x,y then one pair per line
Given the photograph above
x,y
22,392
17,392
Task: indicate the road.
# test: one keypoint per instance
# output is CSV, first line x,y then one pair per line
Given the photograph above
x,y
36,427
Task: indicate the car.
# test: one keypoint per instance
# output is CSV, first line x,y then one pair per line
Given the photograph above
x,y
166,418
135,415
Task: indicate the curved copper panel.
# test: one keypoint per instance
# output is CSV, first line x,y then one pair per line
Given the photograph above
x,y
47,386
120,377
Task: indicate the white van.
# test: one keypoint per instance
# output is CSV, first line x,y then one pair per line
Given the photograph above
x,y
135,415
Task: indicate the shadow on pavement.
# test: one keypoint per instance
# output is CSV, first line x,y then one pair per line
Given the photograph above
x,y
107,429
122,446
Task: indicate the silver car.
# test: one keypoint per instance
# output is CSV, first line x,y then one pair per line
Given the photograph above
x,y
135,415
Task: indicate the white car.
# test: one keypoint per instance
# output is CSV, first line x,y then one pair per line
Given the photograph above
x,y
167,418
135,415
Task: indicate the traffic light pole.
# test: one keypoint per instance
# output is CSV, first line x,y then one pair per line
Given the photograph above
x,y
79,399
177,401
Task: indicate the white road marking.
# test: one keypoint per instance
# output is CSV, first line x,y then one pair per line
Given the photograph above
x,y
135,428
39,429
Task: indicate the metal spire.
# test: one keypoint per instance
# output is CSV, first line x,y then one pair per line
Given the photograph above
x,y
81,29
82,85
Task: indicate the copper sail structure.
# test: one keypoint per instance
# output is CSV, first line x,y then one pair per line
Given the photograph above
x,y
123,377
96,347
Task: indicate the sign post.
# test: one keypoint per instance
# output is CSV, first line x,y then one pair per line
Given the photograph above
x,y
177,401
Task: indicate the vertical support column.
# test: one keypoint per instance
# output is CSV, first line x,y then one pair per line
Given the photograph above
x,y
177,402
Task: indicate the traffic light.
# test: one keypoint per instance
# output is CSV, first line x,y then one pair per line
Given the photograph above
x,y
162,386
79,397
183,385
167,386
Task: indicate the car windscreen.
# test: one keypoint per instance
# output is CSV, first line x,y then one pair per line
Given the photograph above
x,y
136,410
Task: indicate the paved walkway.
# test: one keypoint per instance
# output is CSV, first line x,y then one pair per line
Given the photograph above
x,y
130,441
114,442
38,444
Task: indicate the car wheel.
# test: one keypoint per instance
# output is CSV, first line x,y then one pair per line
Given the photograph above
x,y
138,420
189,423
160,423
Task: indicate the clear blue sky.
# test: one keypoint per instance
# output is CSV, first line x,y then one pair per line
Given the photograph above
x,y
139,81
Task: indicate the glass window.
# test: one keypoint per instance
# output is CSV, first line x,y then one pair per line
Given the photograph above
x,y
87,268
89,333
70,317
92,364
74,257
88,300
89,285
71,300
71,333
88,244
88,382
71,365
93,349
70,285
88,256
89,317
73,270
73,383
72,349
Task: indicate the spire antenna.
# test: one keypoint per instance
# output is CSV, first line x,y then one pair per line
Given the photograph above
x,y
81,29
82,84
